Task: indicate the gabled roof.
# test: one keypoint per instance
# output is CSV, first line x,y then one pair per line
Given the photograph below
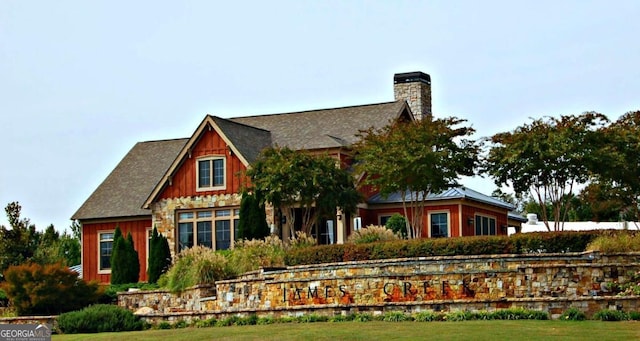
x,y
327,128
123,192
141,175
451,193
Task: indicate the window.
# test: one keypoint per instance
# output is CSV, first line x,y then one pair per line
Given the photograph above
x,y
208,228
485,226
439,225
105,241
384,219
210,173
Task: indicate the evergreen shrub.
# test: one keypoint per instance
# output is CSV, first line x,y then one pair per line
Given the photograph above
x,y
99,318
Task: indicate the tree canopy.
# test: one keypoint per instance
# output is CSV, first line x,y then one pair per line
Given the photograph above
x,y
417,158
315,184
547,158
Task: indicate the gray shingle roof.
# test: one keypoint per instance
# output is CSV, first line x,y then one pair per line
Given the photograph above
x,y
327,128
451,193
249,141
124,191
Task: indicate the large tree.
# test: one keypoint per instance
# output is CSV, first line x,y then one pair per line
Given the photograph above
x,y
620,170
315,184
417,158
547,158
159,256
19,241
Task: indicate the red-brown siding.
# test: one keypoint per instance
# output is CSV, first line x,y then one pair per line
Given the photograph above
x,y
183,182
470,211
138,230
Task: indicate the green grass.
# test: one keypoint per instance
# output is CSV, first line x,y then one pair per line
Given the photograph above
x,y
378,330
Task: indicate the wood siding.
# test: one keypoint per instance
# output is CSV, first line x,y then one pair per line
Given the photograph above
x,y
90,230
184,183
470,211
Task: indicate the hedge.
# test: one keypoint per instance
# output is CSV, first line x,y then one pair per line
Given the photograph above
x,y
522,243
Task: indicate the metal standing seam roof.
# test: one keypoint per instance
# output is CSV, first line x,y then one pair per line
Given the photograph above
x,y
459,192
124,191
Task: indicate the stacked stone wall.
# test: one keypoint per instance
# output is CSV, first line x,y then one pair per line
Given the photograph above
x,y
551,283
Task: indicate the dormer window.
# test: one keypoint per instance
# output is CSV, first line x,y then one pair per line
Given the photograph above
x,y
210,173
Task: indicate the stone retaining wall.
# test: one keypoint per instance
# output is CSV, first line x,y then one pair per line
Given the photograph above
x,y
547,282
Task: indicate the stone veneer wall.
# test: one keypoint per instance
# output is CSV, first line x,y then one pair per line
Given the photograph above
x,y
163,211
548,282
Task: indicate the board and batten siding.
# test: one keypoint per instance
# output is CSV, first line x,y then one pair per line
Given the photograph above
x,y
137,228
184,182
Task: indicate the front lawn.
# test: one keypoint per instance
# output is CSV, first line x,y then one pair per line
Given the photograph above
x,y
378,330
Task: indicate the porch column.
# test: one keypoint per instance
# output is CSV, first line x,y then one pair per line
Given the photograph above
x,y
341,227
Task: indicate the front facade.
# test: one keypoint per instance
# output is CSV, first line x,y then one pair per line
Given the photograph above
x,y
189,189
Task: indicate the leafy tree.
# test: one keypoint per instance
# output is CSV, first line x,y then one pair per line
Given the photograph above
x,y
76,230
398,224
253,220
417,158
547,158
19,242
292,179
621,154
159,256
125,267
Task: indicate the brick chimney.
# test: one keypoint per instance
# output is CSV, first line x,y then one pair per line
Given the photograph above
x,y
415,88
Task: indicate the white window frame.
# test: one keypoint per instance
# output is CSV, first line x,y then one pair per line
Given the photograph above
x,y
475,222
212,187
448,213
233,217
104,271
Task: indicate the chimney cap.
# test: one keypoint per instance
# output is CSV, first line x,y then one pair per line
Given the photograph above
x,y
410,77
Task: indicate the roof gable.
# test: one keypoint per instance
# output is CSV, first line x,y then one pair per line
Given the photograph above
x,y
246,142
125,189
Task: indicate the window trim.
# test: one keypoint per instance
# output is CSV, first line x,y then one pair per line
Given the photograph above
x,y
448,213
383,215
232,217
105,271
212,187
475,222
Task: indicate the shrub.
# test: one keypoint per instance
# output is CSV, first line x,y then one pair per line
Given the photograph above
x,y
99,318
311,318
634,315
253,219
362,317
621,242
372,233
179,324
164,325
519,314
252,254
47,289
428,316
610,315
211,322
460,315
159,256
396,316
398,224
265,320
125,267
338,318
193,266
573,314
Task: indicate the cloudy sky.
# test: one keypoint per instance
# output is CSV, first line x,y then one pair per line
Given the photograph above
x,y
82,81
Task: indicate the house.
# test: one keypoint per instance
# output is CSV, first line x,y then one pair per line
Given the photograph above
x,y
189,189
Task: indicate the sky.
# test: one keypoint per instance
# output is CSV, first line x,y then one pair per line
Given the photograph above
x,y
82,81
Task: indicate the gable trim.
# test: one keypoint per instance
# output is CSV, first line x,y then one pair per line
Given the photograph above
x,y
207,123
